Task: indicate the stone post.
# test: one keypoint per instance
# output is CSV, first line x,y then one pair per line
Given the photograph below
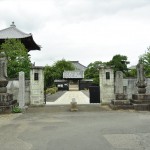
x,y
106,84
119,82
141,84
21,97
37,86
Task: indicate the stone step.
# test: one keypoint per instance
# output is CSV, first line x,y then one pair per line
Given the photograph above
x,y
140,101
141,97
120,102
142,107
116,107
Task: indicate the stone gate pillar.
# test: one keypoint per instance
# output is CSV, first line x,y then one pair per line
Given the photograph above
x,y
106,75
37,86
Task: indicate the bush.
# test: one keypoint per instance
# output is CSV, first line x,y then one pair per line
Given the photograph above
x,y
52,90
16,109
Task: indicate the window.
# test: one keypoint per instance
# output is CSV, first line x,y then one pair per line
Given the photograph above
x,y
107,75
36,76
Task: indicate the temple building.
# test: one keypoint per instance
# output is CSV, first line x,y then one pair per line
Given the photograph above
x,y
74,80
13,33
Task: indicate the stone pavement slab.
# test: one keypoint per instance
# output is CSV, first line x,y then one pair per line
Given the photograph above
x,y
67,97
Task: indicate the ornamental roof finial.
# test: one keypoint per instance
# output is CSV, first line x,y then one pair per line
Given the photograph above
x,y
13,24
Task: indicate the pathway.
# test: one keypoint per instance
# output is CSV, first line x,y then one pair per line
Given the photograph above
x,y
67,97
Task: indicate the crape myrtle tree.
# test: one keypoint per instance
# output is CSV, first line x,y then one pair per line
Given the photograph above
x,y
17,56
56,71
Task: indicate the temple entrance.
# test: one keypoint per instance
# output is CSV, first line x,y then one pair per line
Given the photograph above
x,y
73,85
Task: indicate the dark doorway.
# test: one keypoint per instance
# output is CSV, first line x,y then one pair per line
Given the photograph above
x,y
94,92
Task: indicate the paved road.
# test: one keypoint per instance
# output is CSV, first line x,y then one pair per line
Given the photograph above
x,y
42,129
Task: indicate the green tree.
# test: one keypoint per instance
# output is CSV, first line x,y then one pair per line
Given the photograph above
x,y
132,73
56,71
92,71
60,66
120,63
18,58
48,76
145,59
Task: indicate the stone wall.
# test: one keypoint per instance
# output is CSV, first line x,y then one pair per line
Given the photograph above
x,y
13,88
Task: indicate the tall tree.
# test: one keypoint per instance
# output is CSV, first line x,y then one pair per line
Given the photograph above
x,y
92,71
56,71
120,63
18,58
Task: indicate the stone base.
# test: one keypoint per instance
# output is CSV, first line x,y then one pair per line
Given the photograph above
x,y
117,107
120,102
140,101
142,107
141,97
121,96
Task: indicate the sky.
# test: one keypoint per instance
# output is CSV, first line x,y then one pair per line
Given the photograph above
x,y
81,30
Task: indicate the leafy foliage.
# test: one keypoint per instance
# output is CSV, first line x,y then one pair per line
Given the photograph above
x,y
51,90
132,73
56,71
16,109
92,71
18,58
120,63
145,59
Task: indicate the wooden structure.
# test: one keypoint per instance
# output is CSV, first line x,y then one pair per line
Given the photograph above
x,y
13,33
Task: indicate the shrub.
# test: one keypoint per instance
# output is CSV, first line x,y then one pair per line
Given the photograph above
x,y
52,90
16,109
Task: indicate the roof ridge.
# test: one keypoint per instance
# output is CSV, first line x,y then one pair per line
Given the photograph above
x,y
13,30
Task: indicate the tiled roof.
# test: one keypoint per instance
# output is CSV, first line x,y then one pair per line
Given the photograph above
x,y
13,32
78,66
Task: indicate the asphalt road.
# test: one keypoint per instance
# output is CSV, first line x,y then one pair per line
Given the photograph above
x,y
44,129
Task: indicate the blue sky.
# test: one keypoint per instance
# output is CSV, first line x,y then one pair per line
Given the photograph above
x,y
83,30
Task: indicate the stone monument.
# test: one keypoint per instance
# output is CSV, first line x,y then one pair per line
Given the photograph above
x,y
141,100
3,73
6,99
121,100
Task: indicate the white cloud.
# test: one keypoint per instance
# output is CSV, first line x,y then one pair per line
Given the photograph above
x,y
84,30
